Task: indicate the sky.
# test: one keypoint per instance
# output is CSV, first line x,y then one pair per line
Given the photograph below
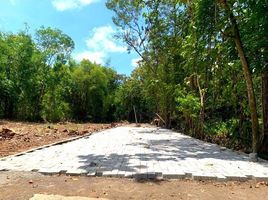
x,y
87,22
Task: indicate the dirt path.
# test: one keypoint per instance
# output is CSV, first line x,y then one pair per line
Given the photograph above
x,y
22,186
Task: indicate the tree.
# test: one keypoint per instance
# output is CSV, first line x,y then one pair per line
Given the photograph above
x,y
37,82
54,44
197,47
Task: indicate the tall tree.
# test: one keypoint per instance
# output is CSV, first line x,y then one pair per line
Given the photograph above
x,y
54,44
247,74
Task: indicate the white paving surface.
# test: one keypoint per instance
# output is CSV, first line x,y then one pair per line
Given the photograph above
x,y
140,153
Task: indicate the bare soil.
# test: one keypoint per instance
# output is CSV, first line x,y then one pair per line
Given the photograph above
x,y
21,186
16,137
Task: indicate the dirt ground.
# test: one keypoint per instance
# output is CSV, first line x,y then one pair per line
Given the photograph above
x,y
16,137
22,186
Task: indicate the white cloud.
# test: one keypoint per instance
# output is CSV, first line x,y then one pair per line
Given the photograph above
x,y
95,57
100,44
63,5
102,39
135,62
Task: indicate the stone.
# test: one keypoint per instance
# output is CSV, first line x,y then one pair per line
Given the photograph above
x,y
253,157
6,133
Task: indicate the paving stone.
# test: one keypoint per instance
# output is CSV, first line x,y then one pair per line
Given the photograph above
x,y
91,174
129,174
221,178
76,172
121,174
112,173
141,176
260,177
98,173
151,175
237,178
48,171
204,177
139,152
174,175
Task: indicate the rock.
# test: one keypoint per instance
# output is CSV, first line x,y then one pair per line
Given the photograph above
x,y
73,132
84,132
6,133
27,139
223,148
113,125
253,157
146,146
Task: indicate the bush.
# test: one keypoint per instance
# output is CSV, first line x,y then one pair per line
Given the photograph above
x,y
54,108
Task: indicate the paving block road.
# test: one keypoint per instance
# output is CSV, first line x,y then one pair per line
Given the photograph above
x,y
143,153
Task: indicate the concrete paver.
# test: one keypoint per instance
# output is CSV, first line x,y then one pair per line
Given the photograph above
x,y
140,153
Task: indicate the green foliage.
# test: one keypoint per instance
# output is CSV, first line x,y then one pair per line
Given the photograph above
x,y
54,108
55,45
190,72
232,130
92,91
219,128
188,104
39,82
132,94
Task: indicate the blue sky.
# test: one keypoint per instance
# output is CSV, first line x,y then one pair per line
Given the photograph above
x,y
87,22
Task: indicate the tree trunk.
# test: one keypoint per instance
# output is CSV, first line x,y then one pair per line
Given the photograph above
x,y
264,147
248,77
202,94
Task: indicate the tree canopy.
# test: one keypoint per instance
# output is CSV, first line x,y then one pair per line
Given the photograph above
x,y
40,81
201,63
